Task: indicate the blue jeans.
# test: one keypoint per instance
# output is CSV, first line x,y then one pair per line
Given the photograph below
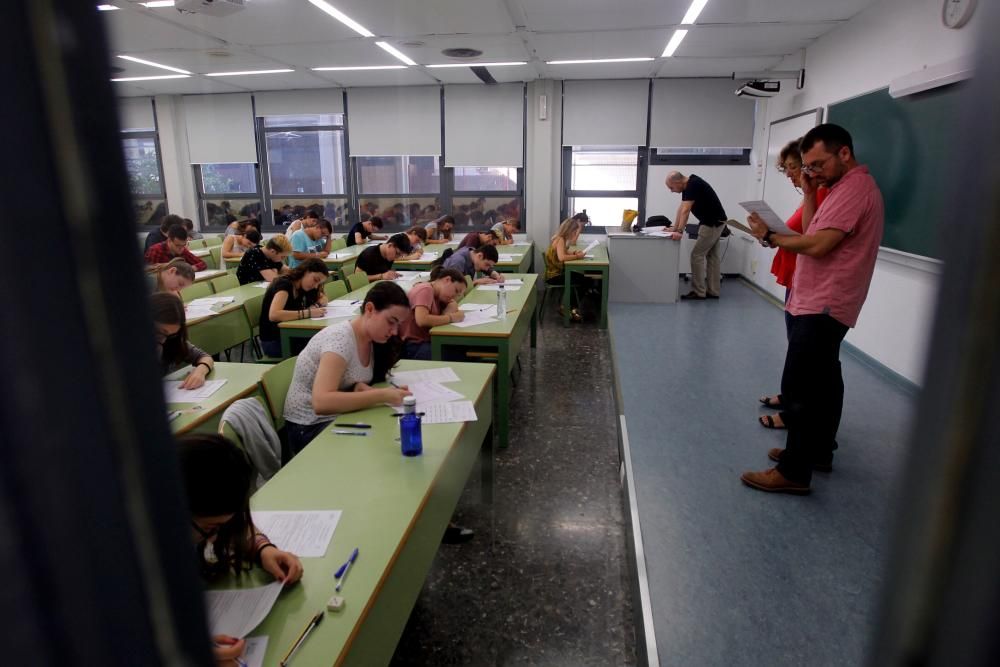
x,y
300,435
271,348
415,350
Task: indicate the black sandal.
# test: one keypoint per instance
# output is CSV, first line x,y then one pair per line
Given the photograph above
x,y
768,403
767,421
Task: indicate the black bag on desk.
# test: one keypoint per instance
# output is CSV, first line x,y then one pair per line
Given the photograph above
x,y
657,220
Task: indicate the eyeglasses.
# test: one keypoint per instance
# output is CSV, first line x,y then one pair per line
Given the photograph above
x,y
206,534
785,168
816,167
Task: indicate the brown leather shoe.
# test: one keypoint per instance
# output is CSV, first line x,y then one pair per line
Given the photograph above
x,y
773,481
775,455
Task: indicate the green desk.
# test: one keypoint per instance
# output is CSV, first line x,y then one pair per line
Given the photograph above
x,y
227,328
242,381
344,257
395,510
424,264
523,261
208,274
502,338
599,264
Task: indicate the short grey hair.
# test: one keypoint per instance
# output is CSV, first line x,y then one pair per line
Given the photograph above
x,y
675,177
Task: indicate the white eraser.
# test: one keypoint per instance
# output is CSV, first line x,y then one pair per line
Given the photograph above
x,y
336,603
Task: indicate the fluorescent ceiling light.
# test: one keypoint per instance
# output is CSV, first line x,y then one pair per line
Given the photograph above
x,y
386,46
675,41
158,3
342,17
248,72
106,8
152,64
353,69
153,78
598,60
693,11
479,64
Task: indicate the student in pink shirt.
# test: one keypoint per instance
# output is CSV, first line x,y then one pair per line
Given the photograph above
x,y
834,270
432,304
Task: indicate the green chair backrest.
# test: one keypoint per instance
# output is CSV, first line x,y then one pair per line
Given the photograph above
x,y
276,381
217,256
334,289
356,281
196,291
338,244
212,240
468,282
222,283
196,243
253,306
227,431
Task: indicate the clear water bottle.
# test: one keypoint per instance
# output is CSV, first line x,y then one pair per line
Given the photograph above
x,y
409,428
501,302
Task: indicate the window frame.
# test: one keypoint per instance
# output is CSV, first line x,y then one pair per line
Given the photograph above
x,y
656,159
141,198
639,193
231,196
449,194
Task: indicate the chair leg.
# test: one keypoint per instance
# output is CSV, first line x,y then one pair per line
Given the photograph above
x,y
541,306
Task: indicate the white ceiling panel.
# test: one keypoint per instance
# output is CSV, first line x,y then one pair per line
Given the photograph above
x,y
428,17
352,53
192,86
606,71
134,32
412,76
713,67
201,62
584,15
767,11
282,81
131,90
495,48
501,74
755,40
611,44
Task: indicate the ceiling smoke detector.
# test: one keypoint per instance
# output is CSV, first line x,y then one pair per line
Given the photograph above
x,y
463,53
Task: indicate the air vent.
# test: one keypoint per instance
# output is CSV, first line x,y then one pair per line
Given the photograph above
x,y
219,54
462,53
413,43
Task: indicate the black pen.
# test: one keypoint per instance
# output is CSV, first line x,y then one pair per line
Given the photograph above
x,y
357,425
305,633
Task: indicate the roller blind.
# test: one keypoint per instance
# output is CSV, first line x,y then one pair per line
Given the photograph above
x,y
220,128
394,121
484,125
605,113
136,113
299,102
700,113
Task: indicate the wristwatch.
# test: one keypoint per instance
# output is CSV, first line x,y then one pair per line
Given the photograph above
x,y
767,236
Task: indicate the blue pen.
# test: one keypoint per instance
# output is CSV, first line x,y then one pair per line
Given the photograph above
x,y
341,574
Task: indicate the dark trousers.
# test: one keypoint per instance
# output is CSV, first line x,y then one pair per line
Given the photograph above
x,y
300,435
416,350
812,393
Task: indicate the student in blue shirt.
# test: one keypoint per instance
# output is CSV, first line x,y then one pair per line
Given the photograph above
x,y
310,241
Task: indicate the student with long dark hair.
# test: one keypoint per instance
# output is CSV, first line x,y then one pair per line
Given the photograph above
x,y
218,482
175,351
235,245
293,296
335,372
433,304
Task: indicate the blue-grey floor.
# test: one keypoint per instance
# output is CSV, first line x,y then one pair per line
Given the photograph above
x,y
736,576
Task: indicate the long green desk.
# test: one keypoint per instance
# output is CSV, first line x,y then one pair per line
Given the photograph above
x,y
242,381
208,274
502,338
522,262
395,511
338,260
424,264
599,264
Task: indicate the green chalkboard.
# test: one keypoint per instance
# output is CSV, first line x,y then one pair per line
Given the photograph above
x,y
906,144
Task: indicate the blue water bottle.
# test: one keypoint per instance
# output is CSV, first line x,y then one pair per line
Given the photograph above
x,y
409,428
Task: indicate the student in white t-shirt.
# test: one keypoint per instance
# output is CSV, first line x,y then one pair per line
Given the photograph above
x,y
335,371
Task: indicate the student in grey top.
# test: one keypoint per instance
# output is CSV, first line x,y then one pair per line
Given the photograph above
x,y
335,371
471,261
175,351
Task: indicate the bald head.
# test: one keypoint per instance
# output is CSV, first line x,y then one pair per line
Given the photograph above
x,y
676,181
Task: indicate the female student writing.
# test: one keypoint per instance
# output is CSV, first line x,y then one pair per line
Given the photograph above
x,y
470,261
235,245
293,296
335,371
418,237
432,304
558,253
218,482
175,351
264,263
171,277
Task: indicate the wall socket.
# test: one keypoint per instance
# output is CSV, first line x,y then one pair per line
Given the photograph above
x,y
753,267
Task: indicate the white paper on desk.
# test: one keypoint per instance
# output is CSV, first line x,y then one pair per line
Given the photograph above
x,y
211,301
474,318
253,653
426,257
340,255
513,282
509,258
449,413
237,612
477,307
428,393
653,229
174,394
332,312
767,214
496,288
262,284
306,534
407,276
593,244
191,312
445,374
198,275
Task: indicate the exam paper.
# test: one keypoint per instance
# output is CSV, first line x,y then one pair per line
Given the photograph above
x,y
192,312
211,301
484,309
428,393
426,257
449,413
253,653
509,258
340,255
306,534
198,275
237,612
333,312
496,288
262,284
174,394
407,276
767,214
445,374
593,244
513,282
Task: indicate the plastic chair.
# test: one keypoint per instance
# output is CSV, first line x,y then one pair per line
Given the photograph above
x,y
338,244
276,381
196,291
222,283
334,289
252,307
548,288
195,244
211,240
468,282
356,281
217,256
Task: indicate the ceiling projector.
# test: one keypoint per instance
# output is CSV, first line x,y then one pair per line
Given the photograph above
x,y
759,89
210,7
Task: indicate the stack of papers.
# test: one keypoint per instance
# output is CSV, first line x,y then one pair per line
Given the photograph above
x,y
173,393
211,301
340,255
496,288
438,403
445,374
192,312
306,534
334,311
198,275
428,393
426,257
513,282
237,612
450,413
770,218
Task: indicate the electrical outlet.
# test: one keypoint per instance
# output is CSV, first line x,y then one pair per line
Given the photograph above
x,y
753,267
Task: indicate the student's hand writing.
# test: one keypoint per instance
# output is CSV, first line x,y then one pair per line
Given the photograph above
x,y
483,281
390,275
456,315
757,225
395,395
316,311
498,277
195,378
281,565
227,649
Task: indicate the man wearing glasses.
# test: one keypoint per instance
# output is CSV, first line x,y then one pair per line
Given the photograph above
x,y
312,241
834,270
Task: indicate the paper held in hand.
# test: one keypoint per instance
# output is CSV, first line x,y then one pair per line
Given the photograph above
x,y
767,214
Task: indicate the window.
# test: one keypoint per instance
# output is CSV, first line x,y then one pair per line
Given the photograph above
x,y
304,167
695,155
227,192
145,176
403,190
604,180
486,179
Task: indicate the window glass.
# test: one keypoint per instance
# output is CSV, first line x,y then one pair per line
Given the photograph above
x,y
485,179
305,162
142,165
399,175
229,178
603,211
604,168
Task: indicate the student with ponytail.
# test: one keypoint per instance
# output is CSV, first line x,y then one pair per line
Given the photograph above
x,y
432,304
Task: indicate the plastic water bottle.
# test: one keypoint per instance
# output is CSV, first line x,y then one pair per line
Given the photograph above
x,y
409,428
501,302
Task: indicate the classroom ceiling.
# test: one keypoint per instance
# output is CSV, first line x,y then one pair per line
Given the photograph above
x,y
729,35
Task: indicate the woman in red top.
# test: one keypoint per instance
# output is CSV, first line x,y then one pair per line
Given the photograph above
x,y
783,266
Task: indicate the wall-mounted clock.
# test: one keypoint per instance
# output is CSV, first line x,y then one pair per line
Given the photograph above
x,y
956,13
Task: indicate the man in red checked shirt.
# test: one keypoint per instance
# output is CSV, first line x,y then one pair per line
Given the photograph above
x,y
834,270
174,246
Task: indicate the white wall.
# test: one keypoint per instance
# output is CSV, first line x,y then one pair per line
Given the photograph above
x,y
542,170
891,38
